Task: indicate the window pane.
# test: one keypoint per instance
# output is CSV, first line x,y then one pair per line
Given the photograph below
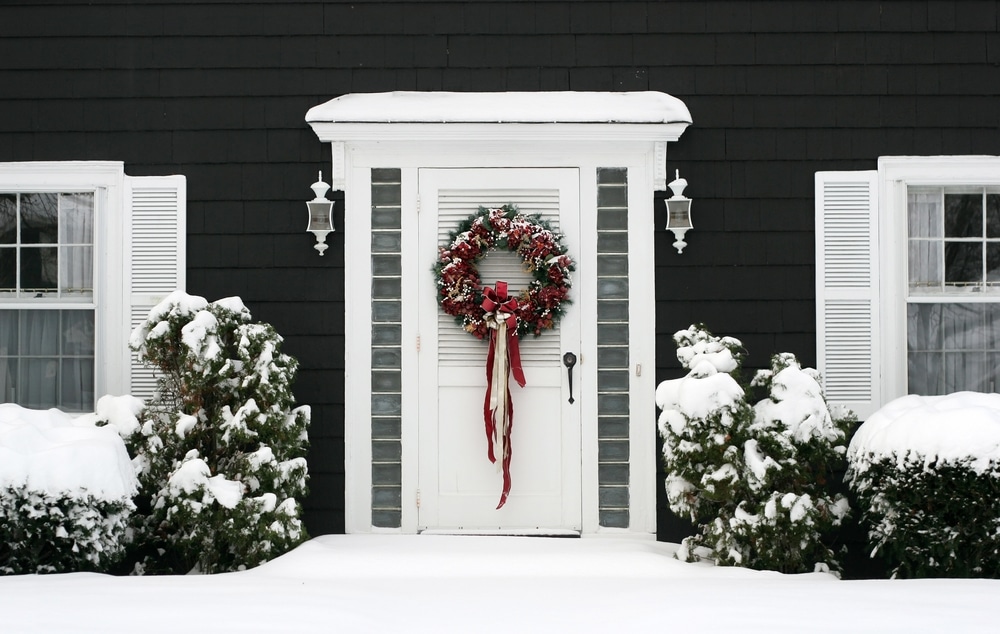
x,y
39,332
963,327
37,387
77,380
39,269
8,269
77,270
8,332
963,215
8,219
923,327
991,319
78,332
993,262
924,213
925,265
924,375
76,218
993,215
963,263
965,371
39,219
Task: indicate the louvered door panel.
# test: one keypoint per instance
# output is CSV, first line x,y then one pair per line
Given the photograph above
x,y
455,347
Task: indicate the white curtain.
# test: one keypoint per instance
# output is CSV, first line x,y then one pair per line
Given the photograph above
x,y
953,347
76,239
926,246
47,358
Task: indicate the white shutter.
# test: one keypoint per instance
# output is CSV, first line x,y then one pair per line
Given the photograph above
x,y
156,255
847,289
456,347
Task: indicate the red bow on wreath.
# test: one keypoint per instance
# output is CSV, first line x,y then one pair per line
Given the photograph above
x,y
503,358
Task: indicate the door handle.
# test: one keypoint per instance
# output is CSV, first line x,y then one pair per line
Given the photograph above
x,y
569,360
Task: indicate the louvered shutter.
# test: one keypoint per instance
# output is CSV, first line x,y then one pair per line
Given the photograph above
x,y
847,289
156,254
455,347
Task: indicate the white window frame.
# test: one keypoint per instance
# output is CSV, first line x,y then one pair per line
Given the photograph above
x,y
896,175
862,284
106,181
139,253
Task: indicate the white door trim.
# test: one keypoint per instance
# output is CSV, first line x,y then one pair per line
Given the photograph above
x,y
358,160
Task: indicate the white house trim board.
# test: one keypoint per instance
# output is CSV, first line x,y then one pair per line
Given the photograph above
x,y
647,107
359,147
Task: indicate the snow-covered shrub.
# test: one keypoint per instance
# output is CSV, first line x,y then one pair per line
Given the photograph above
x,y
221,450
753,479
926,470
66,491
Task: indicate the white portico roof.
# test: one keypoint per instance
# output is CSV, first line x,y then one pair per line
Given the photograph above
x,y
502,107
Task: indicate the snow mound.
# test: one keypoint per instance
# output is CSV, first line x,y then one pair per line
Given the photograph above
x,y
52,452
964,426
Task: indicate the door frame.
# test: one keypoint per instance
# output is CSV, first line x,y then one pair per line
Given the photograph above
x,y
353,161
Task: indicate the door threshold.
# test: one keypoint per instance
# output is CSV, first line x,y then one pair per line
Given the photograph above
x,y
508,532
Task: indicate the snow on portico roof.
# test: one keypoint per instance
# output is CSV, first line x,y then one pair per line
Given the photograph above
x,y
502,107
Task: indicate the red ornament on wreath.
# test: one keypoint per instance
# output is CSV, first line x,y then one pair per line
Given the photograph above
x,y
490,313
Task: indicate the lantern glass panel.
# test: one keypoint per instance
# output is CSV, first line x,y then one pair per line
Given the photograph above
x,y
319,216
679,214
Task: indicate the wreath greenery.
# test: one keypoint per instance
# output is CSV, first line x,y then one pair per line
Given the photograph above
x,y
460,290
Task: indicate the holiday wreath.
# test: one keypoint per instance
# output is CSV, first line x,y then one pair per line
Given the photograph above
x,y
491,313
460,289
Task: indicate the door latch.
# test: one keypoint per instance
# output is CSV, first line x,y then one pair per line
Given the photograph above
x,y
569,360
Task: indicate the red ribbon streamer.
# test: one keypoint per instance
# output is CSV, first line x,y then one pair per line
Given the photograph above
x,y
497,303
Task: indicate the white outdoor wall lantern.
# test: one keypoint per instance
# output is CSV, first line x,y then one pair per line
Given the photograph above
x,y
678,211
320,214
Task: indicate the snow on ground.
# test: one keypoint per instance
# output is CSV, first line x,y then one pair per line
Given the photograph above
x,y
418,583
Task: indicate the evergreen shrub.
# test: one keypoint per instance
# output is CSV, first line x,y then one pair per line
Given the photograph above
x,y
42,532
221,449
929,497
754,479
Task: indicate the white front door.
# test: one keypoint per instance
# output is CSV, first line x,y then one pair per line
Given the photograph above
x,y
459,487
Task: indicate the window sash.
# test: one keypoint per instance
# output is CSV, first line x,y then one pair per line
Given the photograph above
x,y
953,245
47,245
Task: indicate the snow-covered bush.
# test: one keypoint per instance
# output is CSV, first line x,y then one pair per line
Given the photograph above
x,y
66,491
221,450
926,470
753,479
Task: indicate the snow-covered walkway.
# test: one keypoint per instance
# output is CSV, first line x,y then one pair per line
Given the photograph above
x,y
390,583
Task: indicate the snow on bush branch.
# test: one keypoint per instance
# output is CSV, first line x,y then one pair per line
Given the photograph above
x,y
752,478
221,449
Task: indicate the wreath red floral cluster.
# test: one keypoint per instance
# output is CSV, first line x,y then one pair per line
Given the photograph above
x,y
460,289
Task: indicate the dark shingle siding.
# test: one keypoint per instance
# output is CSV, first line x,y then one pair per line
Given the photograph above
x,y
218,90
